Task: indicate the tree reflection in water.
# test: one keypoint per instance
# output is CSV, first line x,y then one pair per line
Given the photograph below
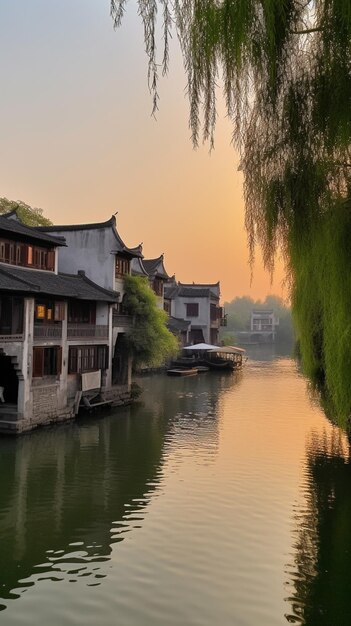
x,y
67,494
321,564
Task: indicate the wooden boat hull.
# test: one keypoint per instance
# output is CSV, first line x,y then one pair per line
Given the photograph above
x,y
182,372
224,366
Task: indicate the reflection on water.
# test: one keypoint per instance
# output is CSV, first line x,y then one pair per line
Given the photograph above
x,y
69,493
218,499
320,572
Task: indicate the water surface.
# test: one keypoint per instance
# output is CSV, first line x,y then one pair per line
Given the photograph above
x,y
221,499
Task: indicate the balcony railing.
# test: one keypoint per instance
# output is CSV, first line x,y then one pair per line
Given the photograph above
x,y
6,338
119,319
47,331
87,331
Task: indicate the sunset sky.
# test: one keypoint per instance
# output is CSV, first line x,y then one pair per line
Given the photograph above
x,y
78,141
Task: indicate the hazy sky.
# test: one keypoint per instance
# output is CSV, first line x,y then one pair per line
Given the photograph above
x,y
78,141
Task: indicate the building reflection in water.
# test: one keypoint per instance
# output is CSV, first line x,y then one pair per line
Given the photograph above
x,y
319,575
69,493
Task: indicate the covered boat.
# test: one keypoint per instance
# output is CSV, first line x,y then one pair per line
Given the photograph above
x,y
194,355
225,358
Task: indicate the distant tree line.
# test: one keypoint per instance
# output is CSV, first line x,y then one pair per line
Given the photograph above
x,y
238,313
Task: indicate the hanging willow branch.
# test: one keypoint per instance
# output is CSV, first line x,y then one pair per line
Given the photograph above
x,y
285,68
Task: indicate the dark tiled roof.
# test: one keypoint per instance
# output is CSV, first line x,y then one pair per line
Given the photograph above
x,y
78,286
111,223
200,285
70,227
155,267
170,292
10,225
137,267
137,251
175,323
190,292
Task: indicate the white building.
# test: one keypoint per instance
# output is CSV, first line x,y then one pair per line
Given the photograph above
x,y
55,328
198,304
264,323
99,250
155,271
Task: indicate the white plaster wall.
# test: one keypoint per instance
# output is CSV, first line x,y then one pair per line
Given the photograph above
x,y
102,314
203,319
118,286
92,251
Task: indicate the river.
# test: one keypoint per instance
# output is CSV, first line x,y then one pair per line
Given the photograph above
x,y
218,499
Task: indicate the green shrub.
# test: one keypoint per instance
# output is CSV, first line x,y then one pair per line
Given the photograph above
x,y
150,342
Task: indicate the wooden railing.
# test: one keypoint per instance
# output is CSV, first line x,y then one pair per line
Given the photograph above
x,y
87,331
119,319
47,331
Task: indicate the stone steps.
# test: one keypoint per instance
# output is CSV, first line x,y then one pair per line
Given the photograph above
x,y
9,427
9,416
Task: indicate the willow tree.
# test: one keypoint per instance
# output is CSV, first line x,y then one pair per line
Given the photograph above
x,y
285,70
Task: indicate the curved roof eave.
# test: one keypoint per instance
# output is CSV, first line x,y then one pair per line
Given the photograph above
x,y
110,223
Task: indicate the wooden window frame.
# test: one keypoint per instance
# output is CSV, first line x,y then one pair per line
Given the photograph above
x,y
47,361
158,286
15,311
56,308
88,358
122,266
27,255
192,306
81,312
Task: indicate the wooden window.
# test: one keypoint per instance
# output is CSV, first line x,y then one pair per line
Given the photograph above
x,y
7,252
24,255
49,311
40,312
11,315
192,309
47,361
73,360
122,266
27,255
87,358
38,362
214,312
80,312
102,357
59,311
30,255
50,263
158,286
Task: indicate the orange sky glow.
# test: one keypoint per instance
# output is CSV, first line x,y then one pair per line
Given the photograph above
x,y
79,141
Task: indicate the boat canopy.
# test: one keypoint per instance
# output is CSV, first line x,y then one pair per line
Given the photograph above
x,y
228,350
202,346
